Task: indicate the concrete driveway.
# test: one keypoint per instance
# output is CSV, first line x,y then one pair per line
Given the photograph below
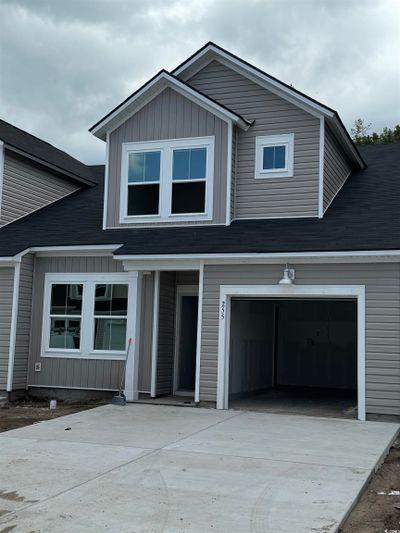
x,y
147,468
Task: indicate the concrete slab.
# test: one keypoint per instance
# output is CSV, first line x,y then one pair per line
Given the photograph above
x,y
301,439
215,471
142,426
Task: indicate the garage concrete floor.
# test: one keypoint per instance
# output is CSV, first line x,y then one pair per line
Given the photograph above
x,y
147,468
309,401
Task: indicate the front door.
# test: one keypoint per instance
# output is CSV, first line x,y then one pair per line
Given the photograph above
x,y
185,341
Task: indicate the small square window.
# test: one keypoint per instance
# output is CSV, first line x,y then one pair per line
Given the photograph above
x,y
274,156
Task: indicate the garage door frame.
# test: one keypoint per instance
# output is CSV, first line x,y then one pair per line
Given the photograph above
x,y
356,292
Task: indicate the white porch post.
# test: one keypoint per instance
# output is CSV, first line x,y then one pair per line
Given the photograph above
x,y
154,339
134,307
199,327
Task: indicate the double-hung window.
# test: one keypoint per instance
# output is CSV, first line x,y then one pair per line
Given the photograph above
x,y
85,316
274,156
167,180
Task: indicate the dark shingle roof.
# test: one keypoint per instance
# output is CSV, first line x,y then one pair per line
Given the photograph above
x,y
45,153
364,216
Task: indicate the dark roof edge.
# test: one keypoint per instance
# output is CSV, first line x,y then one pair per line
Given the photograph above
x,y
237,58
148,82
51,166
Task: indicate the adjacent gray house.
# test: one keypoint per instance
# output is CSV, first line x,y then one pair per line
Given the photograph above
x,y
236,234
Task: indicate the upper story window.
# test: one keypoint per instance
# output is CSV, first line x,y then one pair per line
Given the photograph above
x,y
274,156
167,180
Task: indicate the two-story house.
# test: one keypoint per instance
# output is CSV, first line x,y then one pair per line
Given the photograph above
x,y
236,235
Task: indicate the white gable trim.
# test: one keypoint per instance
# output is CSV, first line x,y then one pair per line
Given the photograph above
x,y
154,88
275,86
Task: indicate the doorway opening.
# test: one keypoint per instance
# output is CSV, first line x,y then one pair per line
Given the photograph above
x,y
293,355
187,301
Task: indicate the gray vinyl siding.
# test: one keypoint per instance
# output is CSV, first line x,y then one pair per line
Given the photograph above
x,y
6,302
271,197
336,167
169,116
64,372
166,329
146,333
382,284
21,354
26,188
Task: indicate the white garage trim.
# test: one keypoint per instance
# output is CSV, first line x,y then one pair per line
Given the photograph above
x,y
293,291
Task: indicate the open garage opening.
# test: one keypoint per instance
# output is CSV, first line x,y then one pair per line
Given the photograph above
x,y
294,355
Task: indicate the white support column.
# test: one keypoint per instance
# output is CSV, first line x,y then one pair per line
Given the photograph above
x,y
13,328
154,339
199,326
134,308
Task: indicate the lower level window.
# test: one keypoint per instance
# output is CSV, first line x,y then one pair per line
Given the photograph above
x,y
85,319
110,315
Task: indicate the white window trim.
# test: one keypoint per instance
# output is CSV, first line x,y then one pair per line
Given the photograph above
x,y
86,350
274,140
166,148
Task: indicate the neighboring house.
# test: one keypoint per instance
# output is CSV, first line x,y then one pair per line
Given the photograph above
x,y
217,176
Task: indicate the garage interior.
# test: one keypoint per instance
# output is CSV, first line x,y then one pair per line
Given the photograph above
x,y
294,355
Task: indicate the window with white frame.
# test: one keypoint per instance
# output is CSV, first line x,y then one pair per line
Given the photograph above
x,y
274,156
85,317
167,180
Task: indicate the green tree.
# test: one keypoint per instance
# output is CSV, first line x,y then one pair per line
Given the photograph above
x,y
360,135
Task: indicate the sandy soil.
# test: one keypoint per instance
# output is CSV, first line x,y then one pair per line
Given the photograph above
x,y
19,414
378,510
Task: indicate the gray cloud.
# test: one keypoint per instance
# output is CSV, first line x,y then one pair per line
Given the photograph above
x,y
63,65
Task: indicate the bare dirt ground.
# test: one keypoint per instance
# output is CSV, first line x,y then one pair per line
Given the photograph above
x,y
18,414
378,510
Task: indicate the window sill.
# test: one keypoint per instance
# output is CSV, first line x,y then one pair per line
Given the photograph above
x,y
271,175
99,356
184,217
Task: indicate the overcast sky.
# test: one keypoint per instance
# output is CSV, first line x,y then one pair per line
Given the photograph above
x,y
66,63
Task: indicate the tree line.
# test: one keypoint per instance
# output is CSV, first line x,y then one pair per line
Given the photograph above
x,y
360,135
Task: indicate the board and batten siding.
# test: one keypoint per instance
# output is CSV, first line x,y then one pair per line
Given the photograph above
x,y
6,302
336,168
382,321
21,354
272,115
26,188
168,116
64,372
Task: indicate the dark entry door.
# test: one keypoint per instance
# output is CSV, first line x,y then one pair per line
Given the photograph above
x,y
187,343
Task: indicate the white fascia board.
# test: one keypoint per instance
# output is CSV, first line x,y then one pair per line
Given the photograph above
x,y
255,75
276,87
81,250
182,88
191,261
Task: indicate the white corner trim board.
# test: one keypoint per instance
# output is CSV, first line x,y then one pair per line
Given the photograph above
x,y
321,167
13,327
1,172
305,291
154,336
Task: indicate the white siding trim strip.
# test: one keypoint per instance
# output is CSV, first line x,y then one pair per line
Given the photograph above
x,y
292,291
1,172
105,192
154,339
321,167
13,328
229,176
199,331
